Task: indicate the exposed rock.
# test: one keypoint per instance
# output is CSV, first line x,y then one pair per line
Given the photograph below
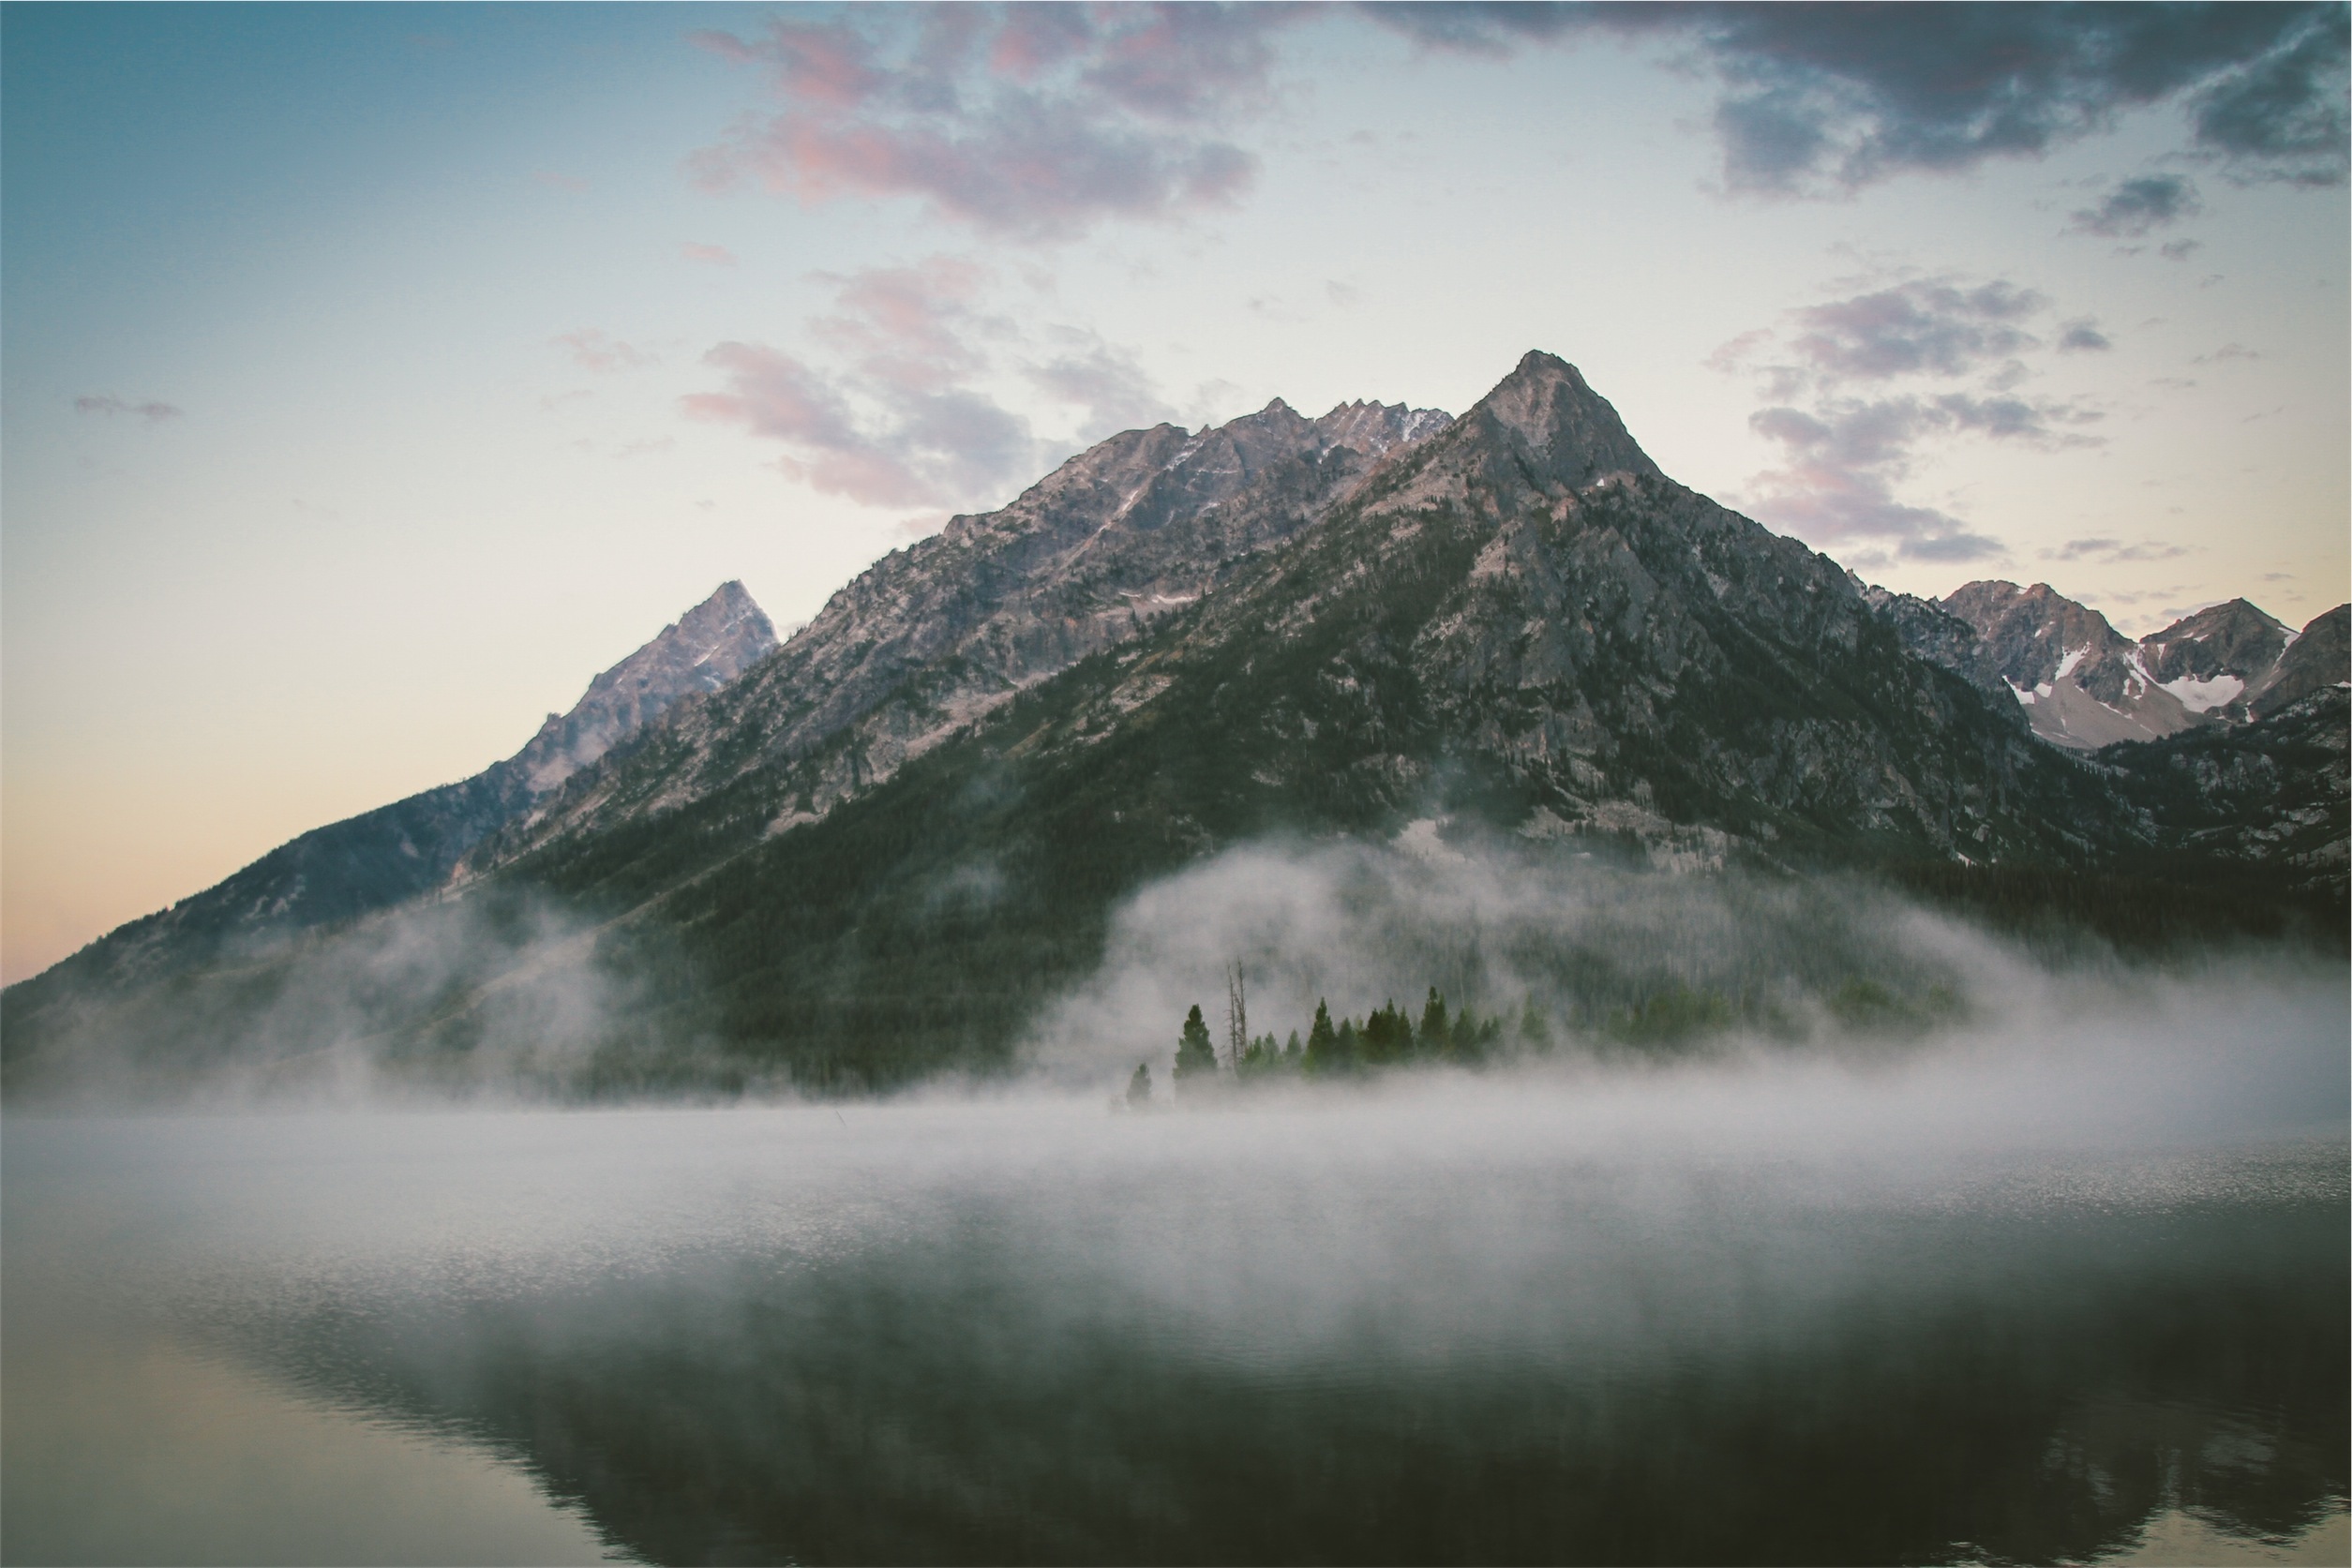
x,y
2083,683
935,637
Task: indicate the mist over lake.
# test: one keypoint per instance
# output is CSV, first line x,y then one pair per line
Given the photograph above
x,y
2070,1291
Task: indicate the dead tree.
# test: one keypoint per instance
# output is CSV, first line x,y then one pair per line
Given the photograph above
x,y
1236,1014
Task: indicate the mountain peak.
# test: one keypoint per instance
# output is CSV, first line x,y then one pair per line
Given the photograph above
x,y
1567,431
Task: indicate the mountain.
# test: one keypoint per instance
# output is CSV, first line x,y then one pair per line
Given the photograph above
x,y
2084,684
2318,658
381,857
935,637
880,853
1517,626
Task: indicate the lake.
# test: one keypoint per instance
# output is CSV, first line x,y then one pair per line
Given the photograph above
x,y
2004,1302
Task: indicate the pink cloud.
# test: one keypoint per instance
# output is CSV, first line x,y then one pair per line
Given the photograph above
x,y
1031,122
713,255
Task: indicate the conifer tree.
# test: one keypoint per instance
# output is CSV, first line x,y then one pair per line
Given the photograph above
x,y
1322,1042
1195,1058
1436,1039
1139,1086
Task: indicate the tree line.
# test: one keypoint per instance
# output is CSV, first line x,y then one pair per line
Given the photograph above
x,y
1388,1038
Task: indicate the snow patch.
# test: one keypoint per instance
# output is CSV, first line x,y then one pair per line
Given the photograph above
x,y
2203,697
2066,665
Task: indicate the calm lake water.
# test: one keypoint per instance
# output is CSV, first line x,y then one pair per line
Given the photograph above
x,y
1954,1310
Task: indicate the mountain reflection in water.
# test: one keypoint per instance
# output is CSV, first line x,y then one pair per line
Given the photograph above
x,y
1475,1329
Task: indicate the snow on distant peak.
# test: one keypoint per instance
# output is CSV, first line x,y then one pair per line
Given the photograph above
x,y
2203,697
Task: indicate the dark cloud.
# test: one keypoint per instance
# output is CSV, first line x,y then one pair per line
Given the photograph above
x,y
2136,206
2283,117
1829,97
1030,122
108,404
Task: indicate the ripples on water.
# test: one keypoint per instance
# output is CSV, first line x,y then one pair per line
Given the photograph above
x,y
1782,1314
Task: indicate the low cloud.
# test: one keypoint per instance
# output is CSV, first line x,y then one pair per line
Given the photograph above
x,y
1028,122
2136,206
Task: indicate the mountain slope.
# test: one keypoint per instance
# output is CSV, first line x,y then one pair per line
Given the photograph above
x,y
930,638
1520,623
381,857
2084,684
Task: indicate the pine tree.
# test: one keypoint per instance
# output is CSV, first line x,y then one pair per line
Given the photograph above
x,y
1322,1042
1139,1086
1196,1057
1436,1039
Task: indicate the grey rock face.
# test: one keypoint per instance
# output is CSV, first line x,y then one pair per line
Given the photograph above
x,y
2318,659
932,637
1525,596
1939,637
384,857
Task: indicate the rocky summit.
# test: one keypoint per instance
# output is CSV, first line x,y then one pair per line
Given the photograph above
x,y
882,847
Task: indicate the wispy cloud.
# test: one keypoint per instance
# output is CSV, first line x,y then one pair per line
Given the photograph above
x,y
900,420
106,405
592,350
1818,99
1028,121
710,255
2106,552
1107,383
2136,206
1856,387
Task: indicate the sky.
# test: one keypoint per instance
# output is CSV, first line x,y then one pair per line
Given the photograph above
x,y
376,375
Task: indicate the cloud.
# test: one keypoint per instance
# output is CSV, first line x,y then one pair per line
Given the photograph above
x,y
1843,457
1842,461
107,404
2283,116
1026,122
906,326
1825,100
1930,326
2106,552
2136,206
2081,336
2227,351
711,255
900,422
2181,250
1109,384
559,182
592,351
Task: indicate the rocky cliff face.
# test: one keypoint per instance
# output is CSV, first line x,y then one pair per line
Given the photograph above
x,y
2084,684
381,857
933,637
